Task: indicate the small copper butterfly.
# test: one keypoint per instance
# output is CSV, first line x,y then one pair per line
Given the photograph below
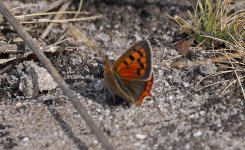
x,y
131,76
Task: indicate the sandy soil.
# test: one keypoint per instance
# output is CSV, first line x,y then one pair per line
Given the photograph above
x,y
178,117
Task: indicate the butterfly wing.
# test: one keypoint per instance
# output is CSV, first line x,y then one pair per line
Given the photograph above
x,y
135,63
140,89
116,83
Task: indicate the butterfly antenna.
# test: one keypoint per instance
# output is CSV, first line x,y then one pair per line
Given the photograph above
x,y
114,99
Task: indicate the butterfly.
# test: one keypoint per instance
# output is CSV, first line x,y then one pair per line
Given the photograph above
x,y
131,76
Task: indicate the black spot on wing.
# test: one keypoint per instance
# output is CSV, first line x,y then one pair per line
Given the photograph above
x,y
139,60
140,53
125,63
138,71
142,66
131,57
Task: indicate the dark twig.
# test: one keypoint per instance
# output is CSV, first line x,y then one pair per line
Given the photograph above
x,y
5,69
65,88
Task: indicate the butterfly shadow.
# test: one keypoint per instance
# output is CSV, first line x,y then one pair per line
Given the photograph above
x,y
110,99
88,88
115,100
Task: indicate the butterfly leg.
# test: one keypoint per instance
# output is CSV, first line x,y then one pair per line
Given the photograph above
x,y
114,99
113,96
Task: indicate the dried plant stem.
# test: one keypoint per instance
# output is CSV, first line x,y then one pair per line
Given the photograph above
x,y
81,37
79,8
238,78
50,13
200,62
63,20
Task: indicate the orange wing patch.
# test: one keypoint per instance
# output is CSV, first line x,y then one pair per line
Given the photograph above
x,y
134,66
147,91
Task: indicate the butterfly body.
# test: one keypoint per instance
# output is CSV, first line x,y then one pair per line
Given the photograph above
x,y
131,76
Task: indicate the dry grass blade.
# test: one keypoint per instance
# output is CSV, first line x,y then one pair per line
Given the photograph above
x,y
8,48
225,91
22,17
228,86
238,78
220,40
231,66
3,61
212,75
23,6
57,16
53,5
63,20
79,8
56,43
213,84
81,37
200,62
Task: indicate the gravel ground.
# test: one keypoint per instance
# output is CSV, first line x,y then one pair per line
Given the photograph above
x,y
178,117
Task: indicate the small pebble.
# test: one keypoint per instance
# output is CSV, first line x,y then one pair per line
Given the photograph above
x,y
169,77
103,37
185,84
140,136
160,72
25,139
18,104
166,83
197,134
95,142
202,113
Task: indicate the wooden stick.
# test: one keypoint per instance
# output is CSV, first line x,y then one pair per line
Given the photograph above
x,y
51,69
